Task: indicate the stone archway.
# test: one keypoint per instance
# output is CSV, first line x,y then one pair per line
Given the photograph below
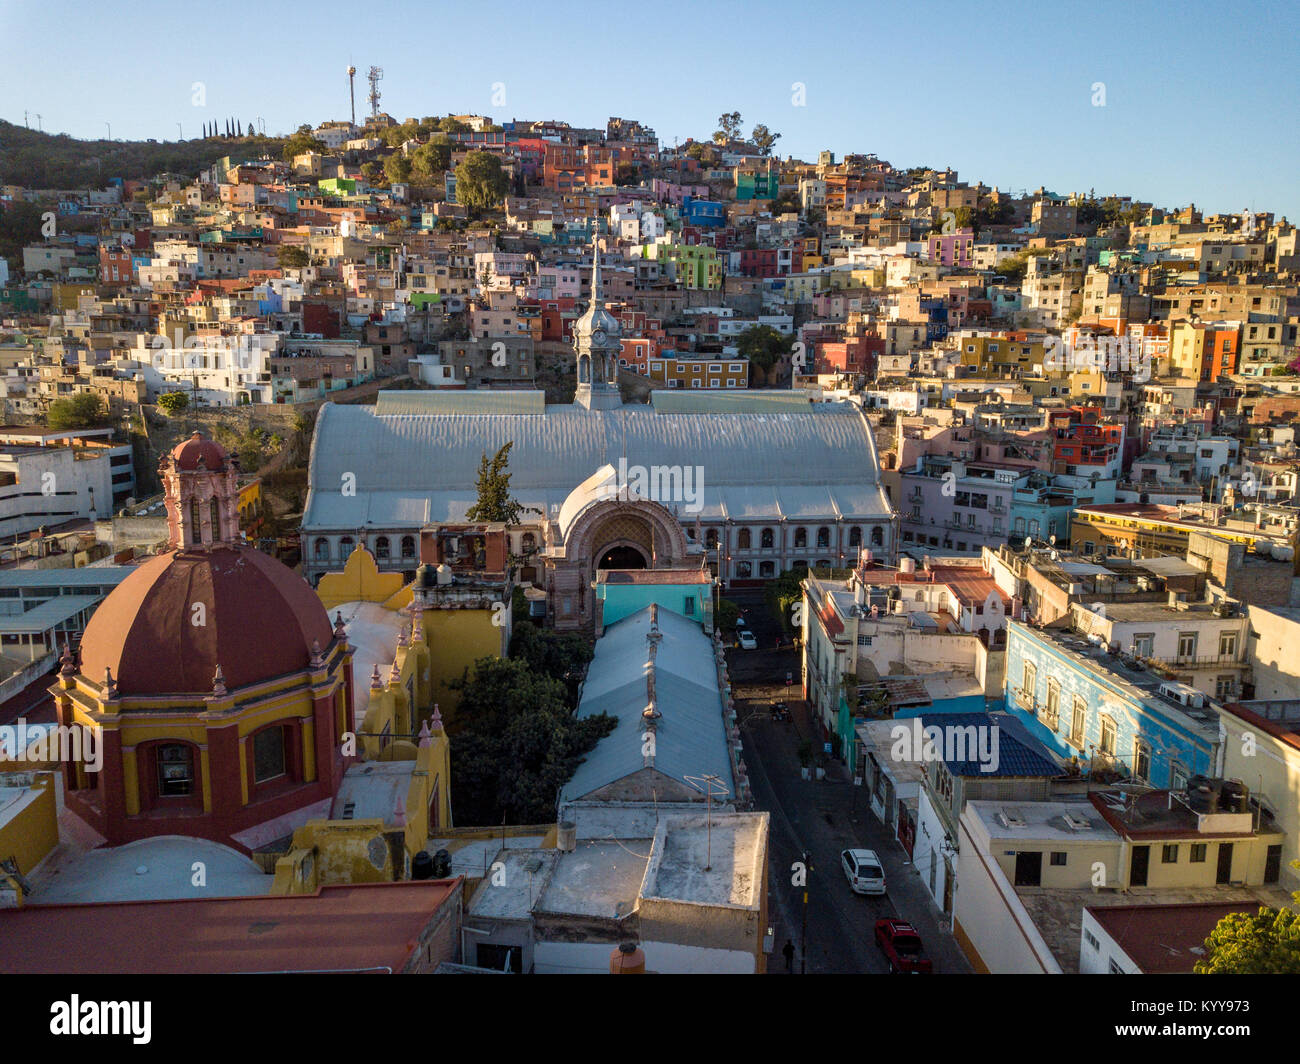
x,y
622,556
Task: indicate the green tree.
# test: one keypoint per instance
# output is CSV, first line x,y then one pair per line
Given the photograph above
x,y
1266,943
494,502
703,154
431,159
627,174
453,125
764,139
291,256
782,594
728,128
727,615
85,410
481,184
562,656
304,140
397,167
763,345
519,744
373,172
173,402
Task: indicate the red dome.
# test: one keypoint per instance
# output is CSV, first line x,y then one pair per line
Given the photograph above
x,y
187,453
261,618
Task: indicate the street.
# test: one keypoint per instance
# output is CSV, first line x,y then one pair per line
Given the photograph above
x,y
823,817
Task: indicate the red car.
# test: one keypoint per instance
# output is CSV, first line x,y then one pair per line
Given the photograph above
x,y
901,945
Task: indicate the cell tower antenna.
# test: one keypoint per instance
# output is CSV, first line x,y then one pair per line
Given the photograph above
x,y
352,91
376,73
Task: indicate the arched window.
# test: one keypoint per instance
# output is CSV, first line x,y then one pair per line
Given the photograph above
x,y
855,536
800,538
345,546
196,532
529,542
767,569
711,539
214,515
823,537
381,548
322,547
744,570
877,537
742,541
408,546
765,539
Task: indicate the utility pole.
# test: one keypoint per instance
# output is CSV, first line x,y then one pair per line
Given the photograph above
x,y
803,936
110,130
179,134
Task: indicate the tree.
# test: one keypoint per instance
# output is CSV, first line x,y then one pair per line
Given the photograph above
x,y
519,744
1267,943
627,174
372,171
494,501
173,402
85,410
453,125
251,131
764,139
562,656
481,184
728,128
291,256
763,345
302,142
397,167
431,159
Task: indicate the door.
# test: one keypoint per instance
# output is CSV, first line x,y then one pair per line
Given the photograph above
x,y
1273,864
1137,874
1029,869
1225,863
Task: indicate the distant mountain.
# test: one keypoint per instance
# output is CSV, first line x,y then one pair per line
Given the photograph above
x,y
48,160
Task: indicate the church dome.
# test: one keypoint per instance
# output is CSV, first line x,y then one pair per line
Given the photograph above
x,y
259,621
209,601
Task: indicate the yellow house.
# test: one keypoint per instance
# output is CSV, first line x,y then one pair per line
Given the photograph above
x,y
29,826
1265,756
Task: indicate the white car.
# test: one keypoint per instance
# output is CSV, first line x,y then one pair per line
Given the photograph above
x,y
747,641
864,871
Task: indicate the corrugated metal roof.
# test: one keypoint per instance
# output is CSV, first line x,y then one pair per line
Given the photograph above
x,y
449,401
741,402
690,738
817,461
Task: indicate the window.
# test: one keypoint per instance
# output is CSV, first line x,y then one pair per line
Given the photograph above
x,y
322,548
195,532
1227,644
711,539
1186,645
345,546
1141,760
855,536
1197,855
1077,713
765,539
743,539
381,548
800,538
1169,853
1107,744
1114,968
823,537
1052,707
1143,644
688,606
1091,939
268,755
408,545
864,640
1030,681
1058,858
175,770
877,536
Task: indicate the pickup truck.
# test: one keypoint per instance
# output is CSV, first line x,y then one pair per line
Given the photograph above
x,y
901,945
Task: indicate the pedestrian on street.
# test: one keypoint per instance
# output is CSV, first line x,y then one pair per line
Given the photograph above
x,y
787,951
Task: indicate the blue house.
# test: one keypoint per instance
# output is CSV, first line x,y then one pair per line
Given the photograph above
x,y
708,214
1106,711
623,592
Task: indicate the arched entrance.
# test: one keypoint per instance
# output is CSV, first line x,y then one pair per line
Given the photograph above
x,y
622,557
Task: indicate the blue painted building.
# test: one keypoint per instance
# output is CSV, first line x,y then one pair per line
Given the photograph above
x,y
623,592
707,214
1100,708
1042,506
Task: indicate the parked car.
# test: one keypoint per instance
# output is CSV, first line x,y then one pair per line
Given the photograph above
x,y
864,871
901,945
747,640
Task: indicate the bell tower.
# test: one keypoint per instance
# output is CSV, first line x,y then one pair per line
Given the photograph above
x,y
201,485
598,341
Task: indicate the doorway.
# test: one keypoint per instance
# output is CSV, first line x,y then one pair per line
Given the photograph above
x,y
1137,873
622,558
1225,864
1029,869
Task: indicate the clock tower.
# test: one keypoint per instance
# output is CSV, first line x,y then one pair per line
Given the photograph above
x,y
598,341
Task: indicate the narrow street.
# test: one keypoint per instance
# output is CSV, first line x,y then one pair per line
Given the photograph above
x,y
824,817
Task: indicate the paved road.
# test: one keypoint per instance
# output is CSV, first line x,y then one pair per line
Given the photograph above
x,y
823,817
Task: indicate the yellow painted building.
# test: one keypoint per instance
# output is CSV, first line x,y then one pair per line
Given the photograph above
x,y
685,371
998,356
29,823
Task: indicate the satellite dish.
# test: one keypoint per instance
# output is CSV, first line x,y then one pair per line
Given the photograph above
x,y
1029,542
1052,539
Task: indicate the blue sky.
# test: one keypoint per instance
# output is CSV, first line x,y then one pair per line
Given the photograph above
x,y
1200,98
